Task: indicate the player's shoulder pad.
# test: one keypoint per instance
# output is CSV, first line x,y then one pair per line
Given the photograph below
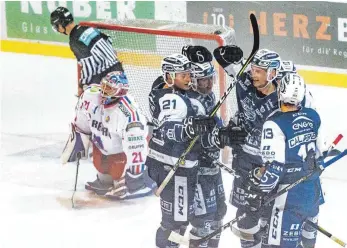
x,y
274,114
160,92
159,83
88,34
129,109
313,114
91,92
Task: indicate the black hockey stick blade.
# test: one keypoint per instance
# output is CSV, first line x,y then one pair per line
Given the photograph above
x,y
255,48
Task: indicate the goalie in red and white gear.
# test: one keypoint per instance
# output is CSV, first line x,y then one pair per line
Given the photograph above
x,y
109,117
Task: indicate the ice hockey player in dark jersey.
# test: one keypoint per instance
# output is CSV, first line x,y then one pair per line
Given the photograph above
x,y
176,124
92,48
210,207
256,97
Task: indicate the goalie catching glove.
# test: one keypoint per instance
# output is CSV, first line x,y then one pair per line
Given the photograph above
x,y
76,146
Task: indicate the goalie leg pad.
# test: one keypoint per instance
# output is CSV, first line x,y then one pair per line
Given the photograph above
x,y
76,146
101,185
132,186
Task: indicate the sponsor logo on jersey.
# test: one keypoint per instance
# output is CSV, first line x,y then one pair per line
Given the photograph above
x,y
136,147
166,206
98,126
181,199
135,138
275,223
124,110
293,170
294,231
135,124
302,122
88,35
302,138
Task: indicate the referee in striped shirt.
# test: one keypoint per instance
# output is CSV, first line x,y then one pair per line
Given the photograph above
x,y
92,48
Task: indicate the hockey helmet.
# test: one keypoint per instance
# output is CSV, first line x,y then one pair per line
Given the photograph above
x,y
292,89
175,63
61,16
204,76
286,67
267,60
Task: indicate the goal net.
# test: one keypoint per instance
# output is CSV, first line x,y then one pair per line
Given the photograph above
x,y
141,45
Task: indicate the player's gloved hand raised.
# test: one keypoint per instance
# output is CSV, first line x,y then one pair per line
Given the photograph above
x,y
228,136
194,126
226,55
197,54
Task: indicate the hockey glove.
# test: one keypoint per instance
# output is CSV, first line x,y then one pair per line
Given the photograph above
x,y
254,195
313,163
76,146
228,136
227,55
194,126
197,54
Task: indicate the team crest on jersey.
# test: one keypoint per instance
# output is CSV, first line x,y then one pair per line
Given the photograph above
x,y
107,119
248,109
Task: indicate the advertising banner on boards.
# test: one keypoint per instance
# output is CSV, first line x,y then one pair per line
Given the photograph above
x,y
309,33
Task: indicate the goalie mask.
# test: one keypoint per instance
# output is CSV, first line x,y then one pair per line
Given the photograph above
x,y
174,64
292,89
267,60
204,77
113,86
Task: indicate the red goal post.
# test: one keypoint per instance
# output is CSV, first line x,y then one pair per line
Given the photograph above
x,y
141,45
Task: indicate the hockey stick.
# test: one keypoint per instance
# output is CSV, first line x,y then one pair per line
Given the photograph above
x,y
304,178
226,168
326,233
177,238
181,159
74,190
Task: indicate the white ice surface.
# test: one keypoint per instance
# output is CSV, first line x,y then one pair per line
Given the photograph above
x,y
37,103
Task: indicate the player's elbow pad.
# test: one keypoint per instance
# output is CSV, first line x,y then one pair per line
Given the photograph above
x,y
76,146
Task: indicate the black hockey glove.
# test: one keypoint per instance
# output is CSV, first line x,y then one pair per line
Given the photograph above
x,y
312,162
194,126
253,194
197,54
228,136
226,55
